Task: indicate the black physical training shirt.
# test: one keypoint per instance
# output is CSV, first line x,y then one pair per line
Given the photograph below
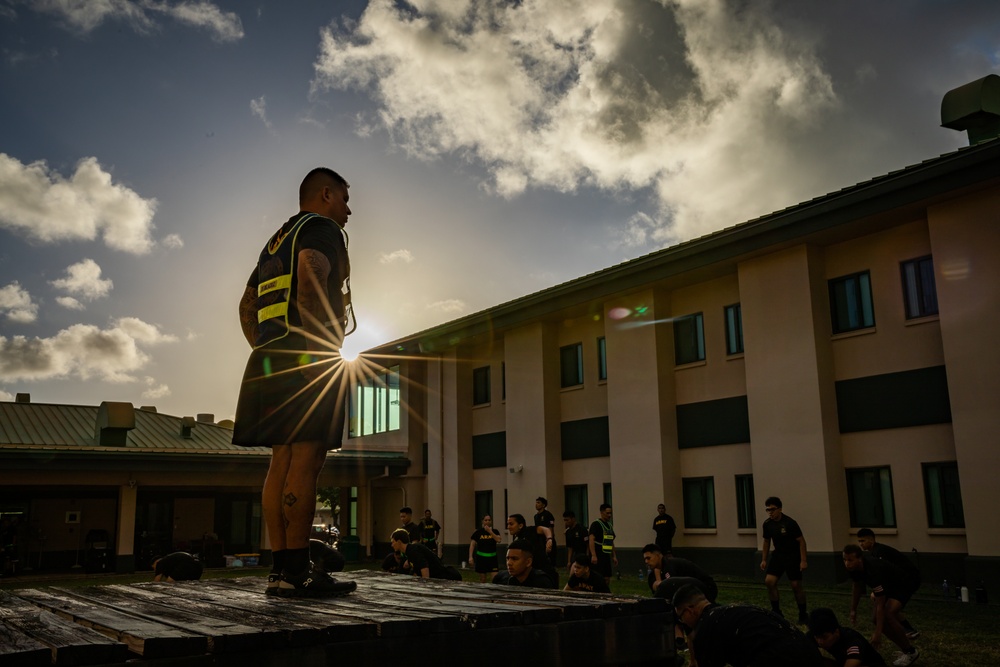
x,y
853,646
784,534
485,544
594,583
535,579
576,538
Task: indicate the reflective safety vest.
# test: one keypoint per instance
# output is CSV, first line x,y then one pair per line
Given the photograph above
x,y
608,541
278,283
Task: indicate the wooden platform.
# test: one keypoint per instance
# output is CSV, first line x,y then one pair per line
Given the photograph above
x,y
229,622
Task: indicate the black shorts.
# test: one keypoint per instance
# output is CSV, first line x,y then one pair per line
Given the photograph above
x,y
903,595
603,566
486,564
784,565
278,405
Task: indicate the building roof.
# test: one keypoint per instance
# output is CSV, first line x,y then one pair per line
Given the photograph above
x,y
898,196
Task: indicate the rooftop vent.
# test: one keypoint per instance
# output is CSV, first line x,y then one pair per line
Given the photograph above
x,y
22,398
187,423
974,108
206,417
114,421
148,408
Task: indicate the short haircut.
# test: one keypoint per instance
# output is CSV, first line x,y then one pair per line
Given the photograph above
x,y
652,548
541,500
687,594
522,545
583,560
518,517
400,535
317,179
773,500
427,510
866,532
822,621
405,510
605,506
569,514
661,505
853,549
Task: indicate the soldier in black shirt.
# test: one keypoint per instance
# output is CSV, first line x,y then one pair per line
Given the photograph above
x,y
665,528
663,569
576,537
419,559
483,549
539,538
520,571
891,590
866,540
406,520
602,544
543,517
847,646
430,529
789,556
582,578
741,635
178,566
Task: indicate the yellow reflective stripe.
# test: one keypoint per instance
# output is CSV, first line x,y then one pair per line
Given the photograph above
x,y
281,282
275,310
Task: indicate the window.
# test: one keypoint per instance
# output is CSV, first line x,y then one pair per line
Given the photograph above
x,y
851,303
699,502
503,380
734,329
607,494
919,292
481,385
602,359
869,495
375,404
571,365
746,515
484,506
576,502
944,497
689,339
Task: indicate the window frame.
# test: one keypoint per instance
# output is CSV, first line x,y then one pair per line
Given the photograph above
x,y
564,375
861,294
698,340
916,288
375,404
881,508
958,520
746,510
733,316
705,488
479,386
602,359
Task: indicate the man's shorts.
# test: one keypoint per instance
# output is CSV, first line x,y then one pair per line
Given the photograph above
x,y
278,405
779,565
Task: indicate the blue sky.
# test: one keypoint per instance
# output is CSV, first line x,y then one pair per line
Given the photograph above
x,y
148,148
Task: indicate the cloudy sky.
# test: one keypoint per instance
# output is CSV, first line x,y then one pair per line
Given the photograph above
x,y
148,148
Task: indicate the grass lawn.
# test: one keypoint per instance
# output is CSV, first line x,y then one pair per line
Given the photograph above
x,y
953,634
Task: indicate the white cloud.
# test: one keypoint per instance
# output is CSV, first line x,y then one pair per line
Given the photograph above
x,y
6,395
448,306
69,302
86,15
81,351
84,280
258,108
16,303
702,105
46,207
172,241
154,390
401,255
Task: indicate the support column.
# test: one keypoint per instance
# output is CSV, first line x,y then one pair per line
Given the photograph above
x,y
453,485
642,420
791,397
125,533
533,439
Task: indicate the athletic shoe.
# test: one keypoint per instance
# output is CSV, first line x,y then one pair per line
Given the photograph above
x,y
913,634
907,659
273,580
310,584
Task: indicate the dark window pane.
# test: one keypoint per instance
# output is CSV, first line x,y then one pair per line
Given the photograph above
x,y
851,303
919,290
734,329
481,385
944,496
699,502
602,359
571,365
869,494
746,514
689,339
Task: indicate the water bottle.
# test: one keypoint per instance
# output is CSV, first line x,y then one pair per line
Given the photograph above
x,y
640,574
945,589
964,593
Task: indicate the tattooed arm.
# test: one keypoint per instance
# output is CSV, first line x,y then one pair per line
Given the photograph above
x,y
248,314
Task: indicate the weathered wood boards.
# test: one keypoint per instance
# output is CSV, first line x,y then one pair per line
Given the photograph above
x,y
230,623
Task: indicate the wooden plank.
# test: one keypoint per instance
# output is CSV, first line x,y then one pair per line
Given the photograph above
x,y
224,635
301,627
390,619
20,650
144,637
68,643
